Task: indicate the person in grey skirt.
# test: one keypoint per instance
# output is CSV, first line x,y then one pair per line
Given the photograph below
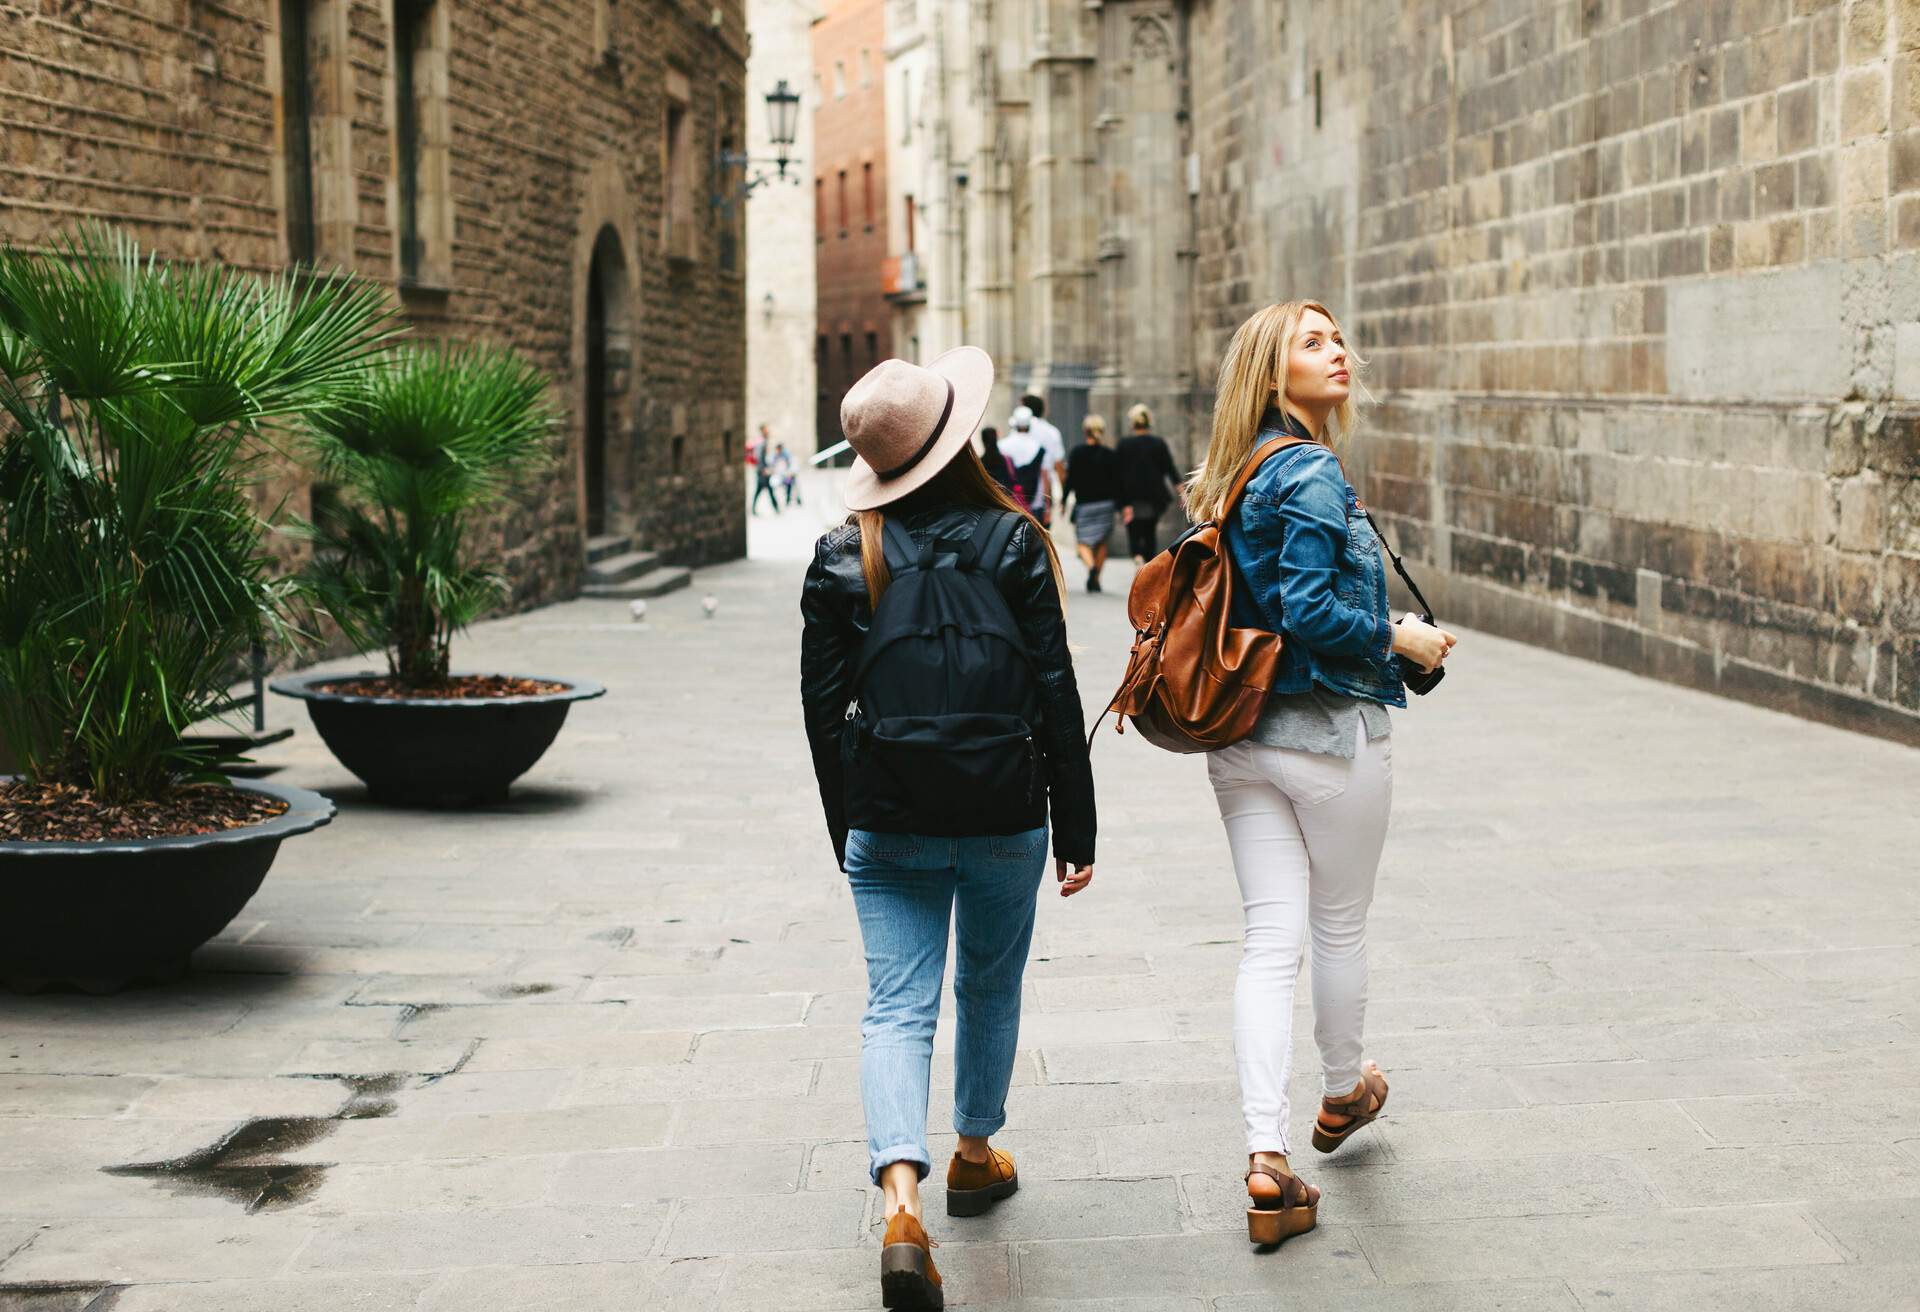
x,y
1093,480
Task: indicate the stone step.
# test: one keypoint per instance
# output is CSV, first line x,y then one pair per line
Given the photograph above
x,y
618,569
606,545
668,578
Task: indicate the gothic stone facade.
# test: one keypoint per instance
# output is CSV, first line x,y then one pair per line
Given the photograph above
x,y
1638,280
559,167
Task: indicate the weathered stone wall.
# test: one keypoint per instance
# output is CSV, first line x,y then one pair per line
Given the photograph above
x,y
163,116
1640,286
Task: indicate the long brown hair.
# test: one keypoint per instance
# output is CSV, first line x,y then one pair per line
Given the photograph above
x,y
963,482
1253,375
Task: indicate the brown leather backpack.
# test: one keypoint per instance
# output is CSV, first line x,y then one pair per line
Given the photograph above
x,y
1194,682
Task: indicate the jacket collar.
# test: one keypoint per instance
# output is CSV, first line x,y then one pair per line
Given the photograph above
x,y
1276,420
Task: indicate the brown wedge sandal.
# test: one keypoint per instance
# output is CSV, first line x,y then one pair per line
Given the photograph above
x,y
1273,1217
1360,1108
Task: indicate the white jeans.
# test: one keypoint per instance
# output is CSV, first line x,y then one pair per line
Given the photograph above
x,y
1306,832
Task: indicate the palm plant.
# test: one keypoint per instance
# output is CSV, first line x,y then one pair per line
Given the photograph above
x,y
133,392
432,435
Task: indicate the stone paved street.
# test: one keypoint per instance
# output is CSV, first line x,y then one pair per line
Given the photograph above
x,y
1646,977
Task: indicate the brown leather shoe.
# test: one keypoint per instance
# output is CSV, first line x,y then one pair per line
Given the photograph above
x,y
909,1282
973,1187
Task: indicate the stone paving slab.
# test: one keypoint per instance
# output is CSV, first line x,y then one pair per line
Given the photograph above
x,y
1646,976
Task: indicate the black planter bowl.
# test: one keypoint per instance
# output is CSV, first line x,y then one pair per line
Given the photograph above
x,y
429,751
103,915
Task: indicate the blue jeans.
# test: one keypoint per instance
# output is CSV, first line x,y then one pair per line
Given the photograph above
x,y
904,887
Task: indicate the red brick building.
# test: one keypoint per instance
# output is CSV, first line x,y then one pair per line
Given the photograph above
x,y
850,199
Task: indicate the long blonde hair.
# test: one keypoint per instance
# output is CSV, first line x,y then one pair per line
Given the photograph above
x,y
963,482
1253,374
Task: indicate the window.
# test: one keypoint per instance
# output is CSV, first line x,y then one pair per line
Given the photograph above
x,y
873,349
822,359
819,90
679,450
839,79
866,67
913,344
408,29
1316,97
819,208
676,163
726,447
728,228
866,193
909,223
846,356
296,138
422,214
843,202
906,107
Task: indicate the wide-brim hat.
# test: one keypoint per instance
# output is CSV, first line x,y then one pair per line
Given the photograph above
x,y
906,422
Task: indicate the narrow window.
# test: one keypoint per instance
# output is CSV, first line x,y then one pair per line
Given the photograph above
x,y
906,107
1316,97
729,227
676,161
819,208
843,202
909,223
822,360
866,193
839,79
866,68
409,31
873,349
846,355
296,140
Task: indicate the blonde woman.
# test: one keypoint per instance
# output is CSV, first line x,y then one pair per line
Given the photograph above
x,y
1305,797
1093,481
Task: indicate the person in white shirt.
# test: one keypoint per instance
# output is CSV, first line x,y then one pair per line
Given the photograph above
x,y
1054,445
1024,452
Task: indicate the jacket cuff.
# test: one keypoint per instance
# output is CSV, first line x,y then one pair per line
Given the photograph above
x,y
1386,639
1072,851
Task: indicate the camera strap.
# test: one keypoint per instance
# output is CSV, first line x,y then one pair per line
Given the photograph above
x,y
1398,566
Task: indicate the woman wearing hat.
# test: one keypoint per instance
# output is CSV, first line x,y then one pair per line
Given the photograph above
x,y
923,502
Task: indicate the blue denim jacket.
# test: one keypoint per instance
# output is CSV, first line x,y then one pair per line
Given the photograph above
x,y
1306,565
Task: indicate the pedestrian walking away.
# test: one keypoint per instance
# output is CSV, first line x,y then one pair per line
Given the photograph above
x,y
1148,483
783,472
998,467
945,728
1028,457
1093,481
1305,796
760,455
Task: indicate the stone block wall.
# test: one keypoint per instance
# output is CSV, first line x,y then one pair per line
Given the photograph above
x,y
164,117
1639,285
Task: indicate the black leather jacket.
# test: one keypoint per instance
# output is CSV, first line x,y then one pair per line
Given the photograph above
x,y
833,603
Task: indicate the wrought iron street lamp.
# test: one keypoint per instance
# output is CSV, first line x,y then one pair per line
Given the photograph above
x,y
783,126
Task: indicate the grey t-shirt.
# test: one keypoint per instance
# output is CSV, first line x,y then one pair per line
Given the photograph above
x,y
1318,720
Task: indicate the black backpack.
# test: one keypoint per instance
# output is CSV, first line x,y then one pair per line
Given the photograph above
x,y
939,738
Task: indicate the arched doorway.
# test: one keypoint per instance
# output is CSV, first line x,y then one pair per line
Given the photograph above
x,y
608,367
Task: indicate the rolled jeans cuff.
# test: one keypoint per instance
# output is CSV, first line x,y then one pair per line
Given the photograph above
x,y
905,1152
978,1127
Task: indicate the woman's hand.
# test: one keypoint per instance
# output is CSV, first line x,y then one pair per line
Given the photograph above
x,y
1424,644
1072,883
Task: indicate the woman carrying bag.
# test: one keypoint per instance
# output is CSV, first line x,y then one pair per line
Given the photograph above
x,y
945,724
1305,795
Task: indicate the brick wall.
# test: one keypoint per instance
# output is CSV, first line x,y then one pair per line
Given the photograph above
x,y
1640,288
850,138
163,117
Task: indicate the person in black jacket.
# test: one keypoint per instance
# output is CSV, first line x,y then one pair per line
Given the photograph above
x,y
912,429
1148,482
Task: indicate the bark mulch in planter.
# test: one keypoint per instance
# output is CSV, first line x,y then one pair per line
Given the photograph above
x,y
465,685
57,813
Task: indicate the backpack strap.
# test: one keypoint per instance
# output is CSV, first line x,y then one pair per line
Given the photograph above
x,y
1268,448
897,545
990,538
